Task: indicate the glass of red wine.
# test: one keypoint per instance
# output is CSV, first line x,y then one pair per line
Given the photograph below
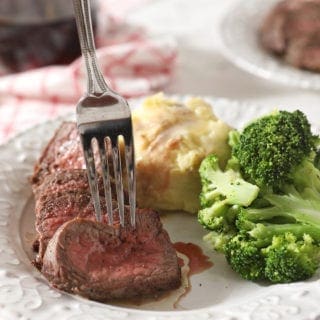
x,y
35,33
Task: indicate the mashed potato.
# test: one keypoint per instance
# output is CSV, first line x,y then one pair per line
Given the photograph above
x,y
171,139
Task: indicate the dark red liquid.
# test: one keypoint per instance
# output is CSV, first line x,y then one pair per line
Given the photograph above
x,y
198,262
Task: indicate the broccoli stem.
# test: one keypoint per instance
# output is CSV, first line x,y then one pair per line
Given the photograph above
x,y
264,233
294,206
306,175
265,214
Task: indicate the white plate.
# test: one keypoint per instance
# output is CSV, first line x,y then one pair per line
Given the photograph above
x,y
217,293
239,33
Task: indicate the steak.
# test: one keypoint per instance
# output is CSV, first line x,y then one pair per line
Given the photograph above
x,y
52,210
103,263
63,152
62,196
79,255
292,31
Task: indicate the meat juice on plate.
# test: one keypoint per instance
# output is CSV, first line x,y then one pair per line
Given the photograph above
x,y
192,261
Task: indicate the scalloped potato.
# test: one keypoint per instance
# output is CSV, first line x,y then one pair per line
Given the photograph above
x,y
171,139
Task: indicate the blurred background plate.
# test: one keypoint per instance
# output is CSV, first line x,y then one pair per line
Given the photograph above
x,y
239,34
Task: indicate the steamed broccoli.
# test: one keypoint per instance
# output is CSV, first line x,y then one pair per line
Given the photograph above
x,y
286,236
271,147
222,194
276,236
289,259
299,211
245,256
279,258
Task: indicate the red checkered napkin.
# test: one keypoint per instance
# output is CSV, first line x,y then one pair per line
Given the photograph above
x,y
133,63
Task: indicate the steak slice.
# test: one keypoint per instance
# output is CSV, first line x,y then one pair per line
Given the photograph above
x,y
62,196
62,181
63,152
272,30
292,30
305,52
103,263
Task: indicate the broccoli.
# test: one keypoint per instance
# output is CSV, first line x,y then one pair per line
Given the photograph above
x,y
276,235
222,194
288,259
245,257
285,235
300,209
218,240
284,259
271,147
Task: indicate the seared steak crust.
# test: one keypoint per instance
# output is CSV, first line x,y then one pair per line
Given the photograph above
x,y
63,152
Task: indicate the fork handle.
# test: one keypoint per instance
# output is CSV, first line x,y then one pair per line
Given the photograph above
x,y
95,81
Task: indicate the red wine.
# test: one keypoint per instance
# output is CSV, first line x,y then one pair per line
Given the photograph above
x,y
35,33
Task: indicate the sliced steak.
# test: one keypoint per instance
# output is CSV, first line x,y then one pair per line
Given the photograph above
x,y
101,263
305,52
82,256
63,152
62,181
54,210
292,30
62,196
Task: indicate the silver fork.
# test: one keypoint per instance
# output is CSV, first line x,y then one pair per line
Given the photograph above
x,y
103,116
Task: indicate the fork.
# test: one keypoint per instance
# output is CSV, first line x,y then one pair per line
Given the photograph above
x,y
103,116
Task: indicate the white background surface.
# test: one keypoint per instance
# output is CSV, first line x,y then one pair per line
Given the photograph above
x,y
202,68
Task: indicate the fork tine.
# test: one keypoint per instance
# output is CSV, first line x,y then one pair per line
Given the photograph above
x,y
130,164
106,178
118,176
92,175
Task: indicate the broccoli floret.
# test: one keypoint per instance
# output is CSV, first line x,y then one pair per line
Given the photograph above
x,y
224,185
286,236
245,257
222,194
271,147
288,259
218,240
280,260
219,217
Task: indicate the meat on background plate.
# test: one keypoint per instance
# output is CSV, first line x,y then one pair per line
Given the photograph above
x,y
291,30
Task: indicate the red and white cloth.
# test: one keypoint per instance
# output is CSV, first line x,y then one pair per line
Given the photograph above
x,y
133,63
